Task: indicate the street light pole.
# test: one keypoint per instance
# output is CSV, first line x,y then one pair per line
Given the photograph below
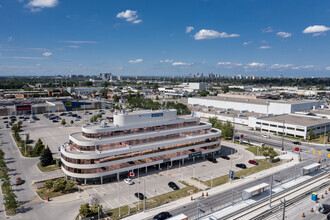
x,y
283,137
144,193
270,192
129,209
139,188
119,196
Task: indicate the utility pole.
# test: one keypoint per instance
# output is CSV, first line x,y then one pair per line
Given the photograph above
x,y
283,217
283,138
234,128
119,196
270,191
325,131
129,208
139,188
144,193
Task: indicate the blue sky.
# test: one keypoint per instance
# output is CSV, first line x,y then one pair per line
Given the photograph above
x,y
227,37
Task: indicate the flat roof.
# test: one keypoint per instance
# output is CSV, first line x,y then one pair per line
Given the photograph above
x,y
295,119
253,101
321,112
257,187
311,166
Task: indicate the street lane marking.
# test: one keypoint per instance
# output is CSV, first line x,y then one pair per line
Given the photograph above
x,y
28,202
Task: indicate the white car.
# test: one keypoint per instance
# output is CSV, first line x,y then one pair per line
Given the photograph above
x,y
31,121
128,181
265,136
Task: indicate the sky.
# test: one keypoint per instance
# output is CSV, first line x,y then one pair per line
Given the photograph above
x,y
165,38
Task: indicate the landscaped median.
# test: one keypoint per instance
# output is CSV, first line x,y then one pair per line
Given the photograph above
x,y
49,168
56,188
9,198
153,201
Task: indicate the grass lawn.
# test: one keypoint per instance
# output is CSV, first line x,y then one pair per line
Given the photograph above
x,y
48,168
253,149
44,193
153,201
263,165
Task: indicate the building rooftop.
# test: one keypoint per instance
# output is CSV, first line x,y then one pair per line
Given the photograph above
x,y
254,101
297,119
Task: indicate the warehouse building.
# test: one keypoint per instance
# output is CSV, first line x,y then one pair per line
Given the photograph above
x,y
262,106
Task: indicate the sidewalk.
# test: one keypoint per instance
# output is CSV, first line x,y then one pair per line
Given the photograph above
x,y
225,187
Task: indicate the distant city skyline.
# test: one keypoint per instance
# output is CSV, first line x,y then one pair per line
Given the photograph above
x,y
165,38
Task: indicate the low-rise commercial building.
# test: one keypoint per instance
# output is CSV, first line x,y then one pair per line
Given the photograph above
x,y
136,140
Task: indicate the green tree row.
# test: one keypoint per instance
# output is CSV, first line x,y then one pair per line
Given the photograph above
x,y
227,129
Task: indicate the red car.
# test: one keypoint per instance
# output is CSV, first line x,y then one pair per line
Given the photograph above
x,y
297,149
253,162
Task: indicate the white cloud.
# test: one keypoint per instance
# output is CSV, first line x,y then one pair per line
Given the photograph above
x,y
284,34
268,29
130,16
10,39
181,64
247,43
189,29
255,64
228,64
47,54
327,68
166,61
264,47
78,42
212,34
316,30
303,67
37,5
136,61
280,66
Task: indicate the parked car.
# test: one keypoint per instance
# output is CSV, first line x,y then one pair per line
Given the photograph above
x,y
253,162
265,136
162,216
324,209
128,181
297,149
140,196
31,121
241,165
63,114
212,159
54,121
19,181
5,118
297,142
225,157
6,122
173,186
78,116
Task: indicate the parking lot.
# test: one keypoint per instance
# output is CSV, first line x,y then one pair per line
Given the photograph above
x,y
53,134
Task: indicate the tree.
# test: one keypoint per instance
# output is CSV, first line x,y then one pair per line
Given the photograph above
x,y
157,98
115,98
138,95
63,122
46,157
38,148
96,208
59,185
312,134
10,201
49,184
71,122
129,96
268,152
85,210
213,120
227,130
225,89
69,186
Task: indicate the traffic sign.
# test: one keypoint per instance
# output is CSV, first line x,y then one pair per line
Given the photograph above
x,y
231,174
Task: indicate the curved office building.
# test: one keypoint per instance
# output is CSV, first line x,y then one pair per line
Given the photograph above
x,y
136,140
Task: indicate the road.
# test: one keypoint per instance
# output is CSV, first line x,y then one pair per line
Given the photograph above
x,y
31,207
226,197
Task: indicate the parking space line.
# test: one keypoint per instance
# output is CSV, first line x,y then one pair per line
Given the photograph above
x,y
164,191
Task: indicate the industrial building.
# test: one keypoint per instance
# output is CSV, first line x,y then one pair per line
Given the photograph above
x,y
136,140
262,106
